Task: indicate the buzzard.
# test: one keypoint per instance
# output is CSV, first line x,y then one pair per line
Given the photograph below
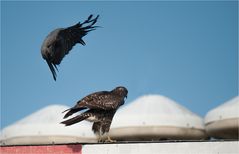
x,y
100,109
61,40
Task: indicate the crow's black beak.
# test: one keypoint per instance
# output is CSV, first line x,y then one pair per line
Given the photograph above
x,y
51,66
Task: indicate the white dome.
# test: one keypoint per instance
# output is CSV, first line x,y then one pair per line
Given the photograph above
x,y
223,121
228,110
150,114
43,127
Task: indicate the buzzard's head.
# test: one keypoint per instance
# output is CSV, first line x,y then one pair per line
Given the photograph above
x,y
122,91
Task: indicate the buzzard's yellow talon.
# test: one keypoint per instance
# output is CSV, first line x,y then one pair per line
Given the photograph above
x,y
110,140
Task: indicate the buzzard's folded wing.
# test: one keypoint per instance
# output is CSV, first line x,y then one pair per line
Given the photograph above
x,y
100,100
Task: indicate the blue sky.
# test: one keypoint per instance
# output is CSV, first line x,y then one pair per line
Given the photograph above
x,y
187,51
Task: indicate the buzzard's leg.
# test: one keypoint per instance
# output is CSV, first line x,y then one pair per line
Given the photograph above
x,y
106,126
97,130
109,140
100,140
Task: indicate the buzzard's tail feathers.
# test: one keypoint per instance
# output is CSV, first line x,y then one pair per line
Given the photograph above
x,y
72,111
74,120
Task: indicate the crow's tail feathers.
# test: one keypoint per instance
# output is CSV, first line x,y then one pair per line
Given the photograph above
x,y
74,120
